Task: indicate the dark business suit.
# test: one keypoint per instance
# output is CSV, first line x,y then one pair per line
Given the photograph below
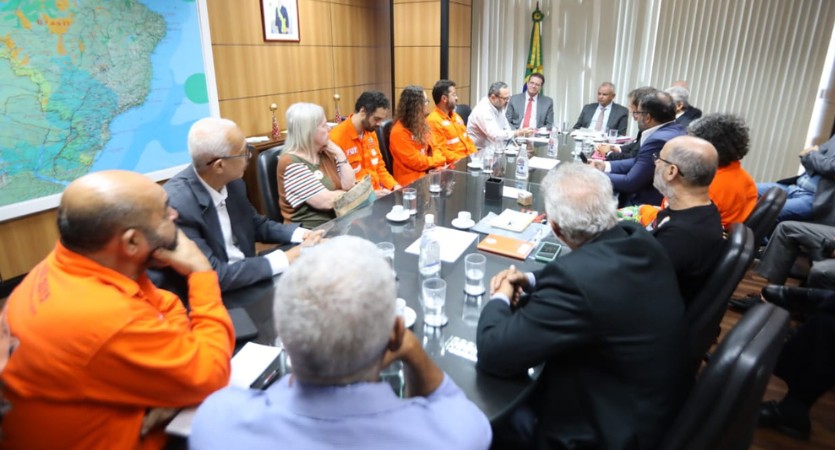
x,y
608,322
690,114
618,117
544,111
197,217
632,178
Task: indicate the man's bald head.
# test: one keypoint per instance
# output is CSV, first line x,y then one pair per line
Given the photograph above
x,y
696,159
95,207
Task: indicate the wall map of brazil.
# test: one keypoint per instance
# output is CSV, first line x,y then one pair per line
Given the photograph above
x,y
93,85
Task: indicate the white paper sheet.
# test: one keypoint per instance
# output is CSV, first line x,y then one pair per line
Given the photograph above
x,y
542,163
511,192
453,243
249,363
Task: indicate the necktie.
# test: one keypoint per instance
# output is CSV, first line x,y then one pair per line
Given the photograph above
x,y
526,122
599,125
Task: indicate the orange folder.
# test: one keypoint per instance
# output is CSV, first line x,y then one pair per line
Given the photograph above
x,y
506,246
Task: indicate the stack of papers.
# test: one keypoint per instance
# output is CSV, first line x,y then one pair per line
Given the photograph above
x,y
453,243
542,163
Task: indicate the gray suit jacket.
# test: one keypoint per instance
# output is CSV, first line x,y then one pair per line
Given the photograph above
x,y
618,117
197,217
544,111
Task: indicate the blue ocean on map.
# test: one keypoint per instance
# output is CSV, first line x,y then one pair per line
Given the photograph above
x,y
153,136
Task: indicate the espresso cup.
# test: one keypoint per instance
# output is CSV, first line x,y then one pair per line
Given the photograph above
x,y
397,210
464,216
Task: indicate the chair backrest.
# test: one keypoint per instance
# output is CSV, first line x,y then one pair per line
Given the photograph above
x,y
267,165
464,112
706,309
763,217
383,135
722,409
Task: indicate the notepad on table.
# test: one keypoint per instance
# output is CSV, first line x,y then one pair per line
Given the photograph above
x,y
513,220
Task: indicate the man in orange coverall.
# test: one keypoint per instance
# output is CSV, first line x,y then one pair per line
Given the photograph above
x,y
100,346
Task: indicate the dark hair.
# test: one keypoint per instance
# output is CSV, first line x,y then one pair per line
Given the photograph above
x,y
371,100
637,94
727,132
85,230
440,89
410,112
537,74
496,87
659,105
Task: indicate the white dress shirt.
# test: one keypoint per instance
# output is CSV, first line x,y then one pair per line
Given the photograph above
x,y
606,111
486,124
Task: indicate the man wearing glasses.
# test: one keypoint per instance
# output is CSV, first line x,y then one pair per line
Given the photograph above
x,y
531,109
488,123
210,199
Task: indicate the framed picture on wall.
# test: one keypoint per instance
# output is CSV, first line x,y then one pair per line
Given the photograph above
x,y
280,19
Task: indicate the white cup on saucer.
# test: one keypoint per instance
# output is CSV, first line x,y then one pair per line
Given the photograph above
x,y
397,210
464,216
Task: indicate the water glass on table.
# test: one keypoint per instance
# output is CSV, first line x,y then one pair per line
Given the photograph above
x,y
613,136
387,249
410,200
435,180
434,299
474,265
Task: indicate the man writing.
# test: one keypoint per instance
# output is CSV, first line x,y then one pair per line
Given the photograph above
x,y
531,109
99,344
210,199
339,330
447,127
357,137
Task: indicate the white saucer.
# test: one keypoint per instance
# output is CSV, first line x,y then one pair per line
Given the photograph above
x,y
457,223
409,316
473,165
404,216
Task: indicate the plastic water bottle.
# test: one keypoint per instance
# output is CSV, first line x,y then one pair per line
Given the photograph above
x,y
429,261
552,143
522,165
588,147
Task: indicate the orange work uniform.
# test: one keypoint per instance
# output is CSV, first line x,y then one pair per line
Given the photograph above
x,y
734,193
451,135
411,159
363,153
98,348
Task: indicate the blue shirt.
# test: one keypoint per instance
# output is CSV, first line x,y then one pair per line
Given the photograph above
x,y
357,416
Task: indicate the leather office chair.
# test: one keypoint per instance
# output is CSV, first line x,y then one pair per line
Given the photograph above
x,y
383,134
763,218
267,165
464,112
706,309
722,409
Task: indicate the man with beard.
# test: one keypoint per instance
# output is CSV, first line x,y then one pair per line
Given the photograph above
x,y
488,121
99,344
448,129
357,138
213,210
690,228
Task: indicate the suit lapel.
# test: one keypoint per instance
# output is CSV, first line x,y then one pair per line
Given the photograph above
x,y
214,234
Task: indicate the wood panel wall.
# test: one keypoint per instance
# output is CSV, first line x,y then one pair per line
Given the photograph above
x,y
345,48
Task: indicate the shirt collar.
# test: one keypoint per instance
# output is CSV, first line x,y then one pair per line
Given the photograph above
x,y
82,266
325,402
217,197
648,132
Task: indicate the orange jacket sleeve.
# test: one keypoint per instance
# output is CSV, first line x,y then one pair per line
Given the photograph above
x,y
409,153
386,180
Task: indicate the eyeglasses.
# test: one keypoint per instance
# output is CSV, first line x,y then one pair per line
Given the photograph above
x,y
248,151
637,113
657,157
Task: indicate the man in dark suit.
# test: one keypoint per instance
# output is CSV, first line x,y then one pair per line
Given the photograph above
x,y
214,212
615,117
632,178
531,109
684,112
606,319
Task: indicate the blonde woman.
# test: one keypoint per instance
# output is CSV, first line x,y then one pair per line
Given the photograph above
x,y
312,171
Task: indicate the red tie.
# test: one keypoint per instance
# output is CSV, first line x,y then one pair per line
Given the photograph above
x,y
526,122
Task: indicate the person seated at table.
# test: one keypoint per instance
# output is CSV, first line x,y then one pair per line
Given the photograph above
x,y
339,331
605,114
632,178
412,145
615,152
531,109
448,129
488,123
733,190
357,137
101,349
685,114
690,227
607,320
213,211
313,171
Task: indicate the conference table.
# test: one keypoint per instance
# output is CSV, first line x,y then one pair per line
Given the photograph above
x,y
450,346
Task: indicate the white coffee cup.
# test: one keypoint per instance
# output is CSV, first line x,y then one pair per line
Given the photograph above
x,y
464,216
397,210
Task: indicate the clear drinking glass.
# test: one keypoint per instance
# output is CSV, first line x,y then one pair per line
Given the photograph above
x,y
474,265
410,200
434,299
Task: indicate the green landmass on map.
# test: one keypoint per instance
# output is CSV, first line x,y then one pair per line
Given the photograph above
x,y
67,71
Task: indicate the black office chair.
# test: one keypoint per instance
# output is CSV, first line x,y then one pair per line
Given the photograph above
x,y
722,409
383,135
464,112
706,309
268,182
763,217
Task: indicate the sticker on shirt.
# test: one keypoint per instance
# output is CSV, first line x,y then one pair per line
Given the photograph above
x,y
446,123
318,174
370,140
351,151
453,141
374,161
374,152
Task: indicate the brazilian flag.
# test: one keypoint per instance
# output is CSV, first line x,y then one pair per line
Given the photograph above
x,y
534,64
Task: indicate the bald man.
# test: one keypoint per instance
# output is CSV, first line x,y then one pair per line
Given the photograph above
x,y
690,227
99,344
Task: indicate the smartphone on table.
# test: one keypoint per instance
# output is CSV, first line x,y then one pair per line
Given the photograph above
x,y
547,251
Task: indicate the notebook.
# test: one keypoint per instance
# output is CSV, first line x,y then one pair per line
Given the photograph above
x,y
513,220
506,246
